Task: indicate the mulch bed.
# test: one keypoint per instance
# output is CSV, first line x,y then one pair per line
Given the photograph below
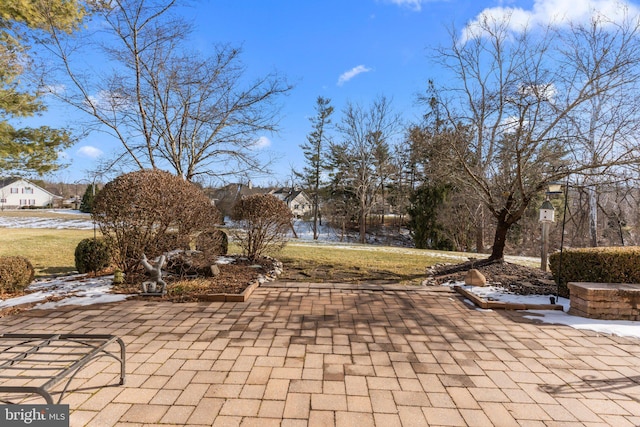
x,y
519,279
233,279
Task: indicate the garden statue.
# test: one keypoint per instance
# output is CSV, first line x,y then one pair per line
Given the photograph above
x,y
156,285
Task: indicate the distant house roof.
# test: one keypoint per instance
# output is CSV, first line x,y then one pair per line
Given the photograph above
x,y
5,182
288,194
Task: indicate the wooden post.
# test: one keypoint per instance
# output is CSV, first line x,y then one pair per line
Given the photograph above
x,y
545,245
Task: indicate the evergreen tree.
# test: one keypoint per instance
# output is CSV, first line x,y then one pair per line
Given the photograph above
x,y
28,149
425,228
314,154
88,198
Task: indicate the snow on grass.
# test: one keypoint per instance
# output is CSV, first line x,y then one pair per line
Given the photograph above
x,y
43,222
70,290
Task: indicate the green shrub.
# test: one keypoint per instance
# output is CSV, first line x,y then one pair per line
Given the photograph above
x,y
92,255
600,265
16,273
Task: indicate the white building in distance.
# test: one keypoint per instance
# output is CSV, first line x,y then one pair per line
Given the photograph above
x,y
19,193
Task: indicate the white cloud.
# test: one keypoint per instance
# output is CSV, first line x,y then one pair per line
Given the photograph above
x,y
109,100
90,152
262,142
552,12
348,75
411,4
53,89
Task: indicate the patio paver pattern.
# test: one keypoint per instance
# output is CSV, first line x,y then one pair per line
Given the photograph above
x,y
343,355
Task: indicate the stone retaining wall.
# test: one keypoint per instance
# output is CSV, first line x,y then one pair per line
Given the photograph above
x,y
611,301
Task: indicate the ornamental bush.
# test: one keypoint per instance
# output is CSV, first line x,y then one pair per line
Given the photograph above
x,y
151,212
264,222
16,273
92,255
600,265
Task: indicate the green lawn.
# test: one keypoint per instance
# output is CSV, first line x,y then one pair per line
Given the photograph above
x,y
320,262
50,251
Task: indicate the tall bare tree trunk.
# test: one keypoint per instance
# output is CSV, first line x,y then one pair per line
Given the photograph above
x,y
593,216
480,229
500,240
363,221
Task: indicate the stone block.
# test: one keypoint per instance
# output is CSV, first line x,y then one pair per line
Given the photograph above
x,y
611,301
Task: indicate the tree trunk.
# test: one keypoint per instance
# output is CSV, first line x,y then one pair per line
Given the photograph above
x,y
315,214
382,191
499,241
363,227
363,219
593,217
480,229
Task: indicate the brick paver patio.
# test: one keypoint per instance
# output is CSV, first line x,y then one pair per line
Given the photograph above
x,y
343,355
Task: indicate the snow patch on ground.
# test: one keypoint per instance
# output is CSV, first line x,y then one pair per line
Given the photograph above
x,y
72,290
225,260
499,293
42,222
622,328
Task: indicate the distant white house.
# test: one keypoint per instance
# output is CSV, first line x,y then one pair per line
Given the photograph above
x,y
297,200
18,193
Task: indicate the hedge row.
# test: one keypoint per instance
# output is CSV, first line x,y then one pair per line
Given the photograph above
x,y
600,265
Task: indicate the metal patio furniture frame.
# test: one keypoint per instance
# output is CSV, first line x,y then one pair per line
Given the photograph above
x,y
43,360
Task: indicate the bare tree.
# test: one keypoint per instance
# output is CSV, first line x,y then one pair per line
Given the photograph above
x,y
605,127
518,95
170,108
365,132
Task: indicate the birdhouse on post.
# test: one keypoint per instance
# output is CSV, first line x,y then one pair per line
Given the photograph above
x,y
547,212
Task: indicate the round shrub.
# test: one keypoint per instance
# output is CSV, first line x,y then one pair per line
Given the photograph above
x,y
151,212
92,255
16,273
264,222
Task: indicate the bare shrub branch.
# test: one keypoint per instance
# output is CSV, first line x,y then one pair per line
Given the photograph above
x,y
264,221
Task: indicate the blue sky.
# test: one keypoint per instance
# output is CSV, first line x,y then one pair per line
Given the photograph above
x,y
345,50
